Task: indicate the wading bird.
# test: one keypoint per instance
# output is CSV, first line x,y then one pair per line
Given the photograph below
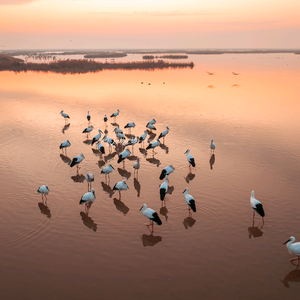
x,y
120,186
151,215
89,177
164,133
153,145
77,160
163,188
107,170
257,206
293,247
66,116
189,200
88,129
88,198
212,145
44,190
64,145
97,137
166,171
115,114
137,165
190,158
124,155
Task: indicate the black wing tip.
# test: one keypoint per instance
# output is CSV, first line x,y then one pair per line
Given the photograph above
x,y
81,201
259,209
155,218
193,205
162,194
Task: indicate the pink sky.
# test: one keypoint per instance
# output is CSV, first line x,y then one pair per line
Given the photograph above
x,y
107,24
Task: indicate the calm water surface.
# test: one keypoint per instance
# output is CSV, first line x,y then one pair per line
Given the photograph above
x,y
59,252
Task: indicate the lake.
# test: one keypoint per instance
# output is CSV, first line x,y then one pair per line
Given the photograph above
x,y
55,250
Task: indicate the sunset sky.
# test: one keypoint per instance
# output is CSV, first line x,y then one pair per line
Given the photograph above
x,y
130,24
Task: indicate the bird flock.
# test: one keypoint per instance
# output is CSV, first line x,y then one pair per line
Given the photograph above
x,y
88,198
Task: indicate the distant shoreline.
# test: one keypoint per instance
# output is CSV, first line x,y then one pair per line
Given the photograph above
x,y
123,53
80,66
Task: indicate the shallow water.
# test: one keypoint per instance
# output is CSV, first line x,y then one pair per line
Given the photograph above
x,y
56,251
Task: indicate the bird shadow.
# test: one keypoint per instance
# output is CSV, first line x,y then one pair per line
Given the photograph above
x,y
137,186
96,151
212,161
115,124
132,157
188,222
66,127
88,221
109,156
150,240
143,151
88,142
292,276
154,161
65,159
78,178
107,189
255,231
121,206
101,163
170,190
124,173
130,136
189,177
164,147
44,209
151,135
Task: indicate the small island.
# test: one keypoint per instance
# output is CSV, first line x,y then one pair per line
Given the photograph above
x,y
78,66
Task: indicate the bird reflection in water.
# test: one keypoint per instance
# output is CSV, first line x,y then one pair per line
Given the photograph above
x,y
121,206
137,186
154,161
164,147
78,178
163,210
255,231
44,209
88,221
189,177
188,222
65,159
124,173
115,124
151,240
293,276
66,127
107,189
212,160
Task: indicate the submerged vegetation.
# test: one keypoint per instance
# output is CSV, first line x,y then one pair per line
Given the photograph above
x,y
74,66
